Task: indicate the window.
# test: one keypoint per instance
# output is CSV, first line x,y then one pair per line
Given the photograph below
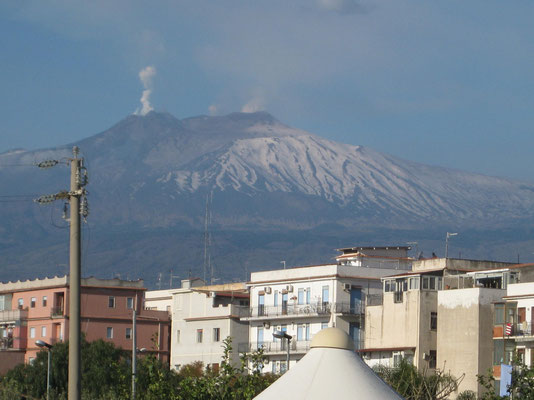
x,y
308,294
433,321
303,332
276,298
432,283
129,303
273,367
32,302
109,332
200,334
260,337
397,358
426,282
128,333
300,332
20,303
324,325
326,294
433,357
216,334
178,336
111,302
300,299
44,301
387,286
499,314
261,305
283,367
32,333
414,283
43,331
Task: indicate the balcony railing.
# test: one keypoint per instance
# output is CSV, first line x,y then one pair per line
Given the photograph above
x,y
9,343
522,329
13,315
307,309
296,346
57,312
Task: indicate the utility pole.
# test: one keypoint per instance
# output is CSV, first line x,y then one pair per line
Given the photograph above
x,y
78,206
134,351
74,383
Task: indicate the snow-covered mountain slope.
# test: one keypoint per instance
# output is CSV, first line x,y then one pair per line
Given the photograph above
x,y
259,165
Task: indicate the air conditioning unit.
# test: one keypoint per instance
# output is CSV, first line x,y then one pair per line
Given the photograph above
x,y
266,325
289,288
426,356
267,289
347,286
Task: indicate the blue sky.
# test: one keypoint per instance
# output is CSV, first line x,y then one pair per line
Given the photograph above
x,y
447,83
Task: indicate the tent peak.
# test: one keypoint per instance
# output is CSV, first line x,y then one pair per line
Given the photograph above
x,y
332,338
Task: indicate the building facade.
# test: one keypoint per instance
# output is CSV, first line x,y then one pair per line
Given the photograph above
x,y
39,310
202,318
301,301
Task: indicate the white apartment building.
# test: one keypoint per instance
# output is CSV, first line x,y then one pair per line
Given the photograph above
x,y
202,317
301,301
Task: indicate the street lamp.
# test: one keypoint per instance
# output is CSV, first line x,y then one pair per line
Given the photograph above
x,y
48,346
284,335
447,243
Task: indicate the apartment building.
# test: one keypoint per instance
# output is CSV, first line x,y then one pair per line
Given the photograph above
x,y
513,319
202,317
301,301
439,317
38,310
403,322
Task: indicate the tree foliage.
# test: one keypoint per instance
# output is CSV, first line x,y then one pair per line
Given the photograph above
x,y
106,375
415,385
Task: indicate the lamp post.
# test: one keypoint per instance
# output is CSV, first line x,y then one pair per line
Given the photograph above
x,y
48,346
447,243
284,335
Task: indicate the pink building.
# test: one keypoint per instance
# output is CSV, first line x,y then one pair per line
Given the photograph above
x,y
39,310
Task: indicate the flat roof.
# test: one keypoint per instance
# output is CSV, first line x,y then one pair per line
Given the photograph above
x,y
356,248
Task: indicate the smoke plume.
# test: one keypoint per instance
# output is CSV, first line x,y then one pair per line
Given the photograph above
x,y
146,75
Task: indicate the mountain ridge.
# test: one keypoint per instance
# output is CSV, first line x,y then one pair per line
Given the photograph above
x,y
154,172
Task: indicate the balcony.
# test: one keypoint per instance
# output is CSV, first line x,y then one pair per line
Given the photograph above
x,y
13,315
278,347
12,343
57,312
522,332
304,310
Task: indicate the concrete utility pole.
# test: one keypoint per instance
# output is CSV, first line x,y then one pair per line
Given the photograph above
x,y
78,206
75,193
134,351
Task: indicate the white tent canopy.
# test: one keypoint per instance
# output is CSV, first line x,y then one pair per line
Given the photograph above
x,y
330,370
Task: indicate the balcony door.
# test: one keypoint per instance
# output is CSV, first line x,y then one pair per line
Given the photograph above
x,y
355,300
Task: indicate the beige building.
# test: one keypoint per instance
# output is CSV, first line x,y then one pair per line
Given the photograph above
x,y
202,317
406,322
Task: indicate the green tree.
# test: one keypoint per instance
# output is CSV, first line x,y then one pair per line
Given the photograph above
x,y
415,385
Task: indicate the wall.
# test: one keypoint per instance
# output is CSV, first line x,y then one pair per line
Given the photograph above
x,y
465,322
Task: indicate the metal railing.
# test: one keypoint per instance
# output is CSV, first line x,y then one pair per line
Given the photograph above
x,y
375,299
13,315
7,343
307,309
57,311
275,347
522,329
